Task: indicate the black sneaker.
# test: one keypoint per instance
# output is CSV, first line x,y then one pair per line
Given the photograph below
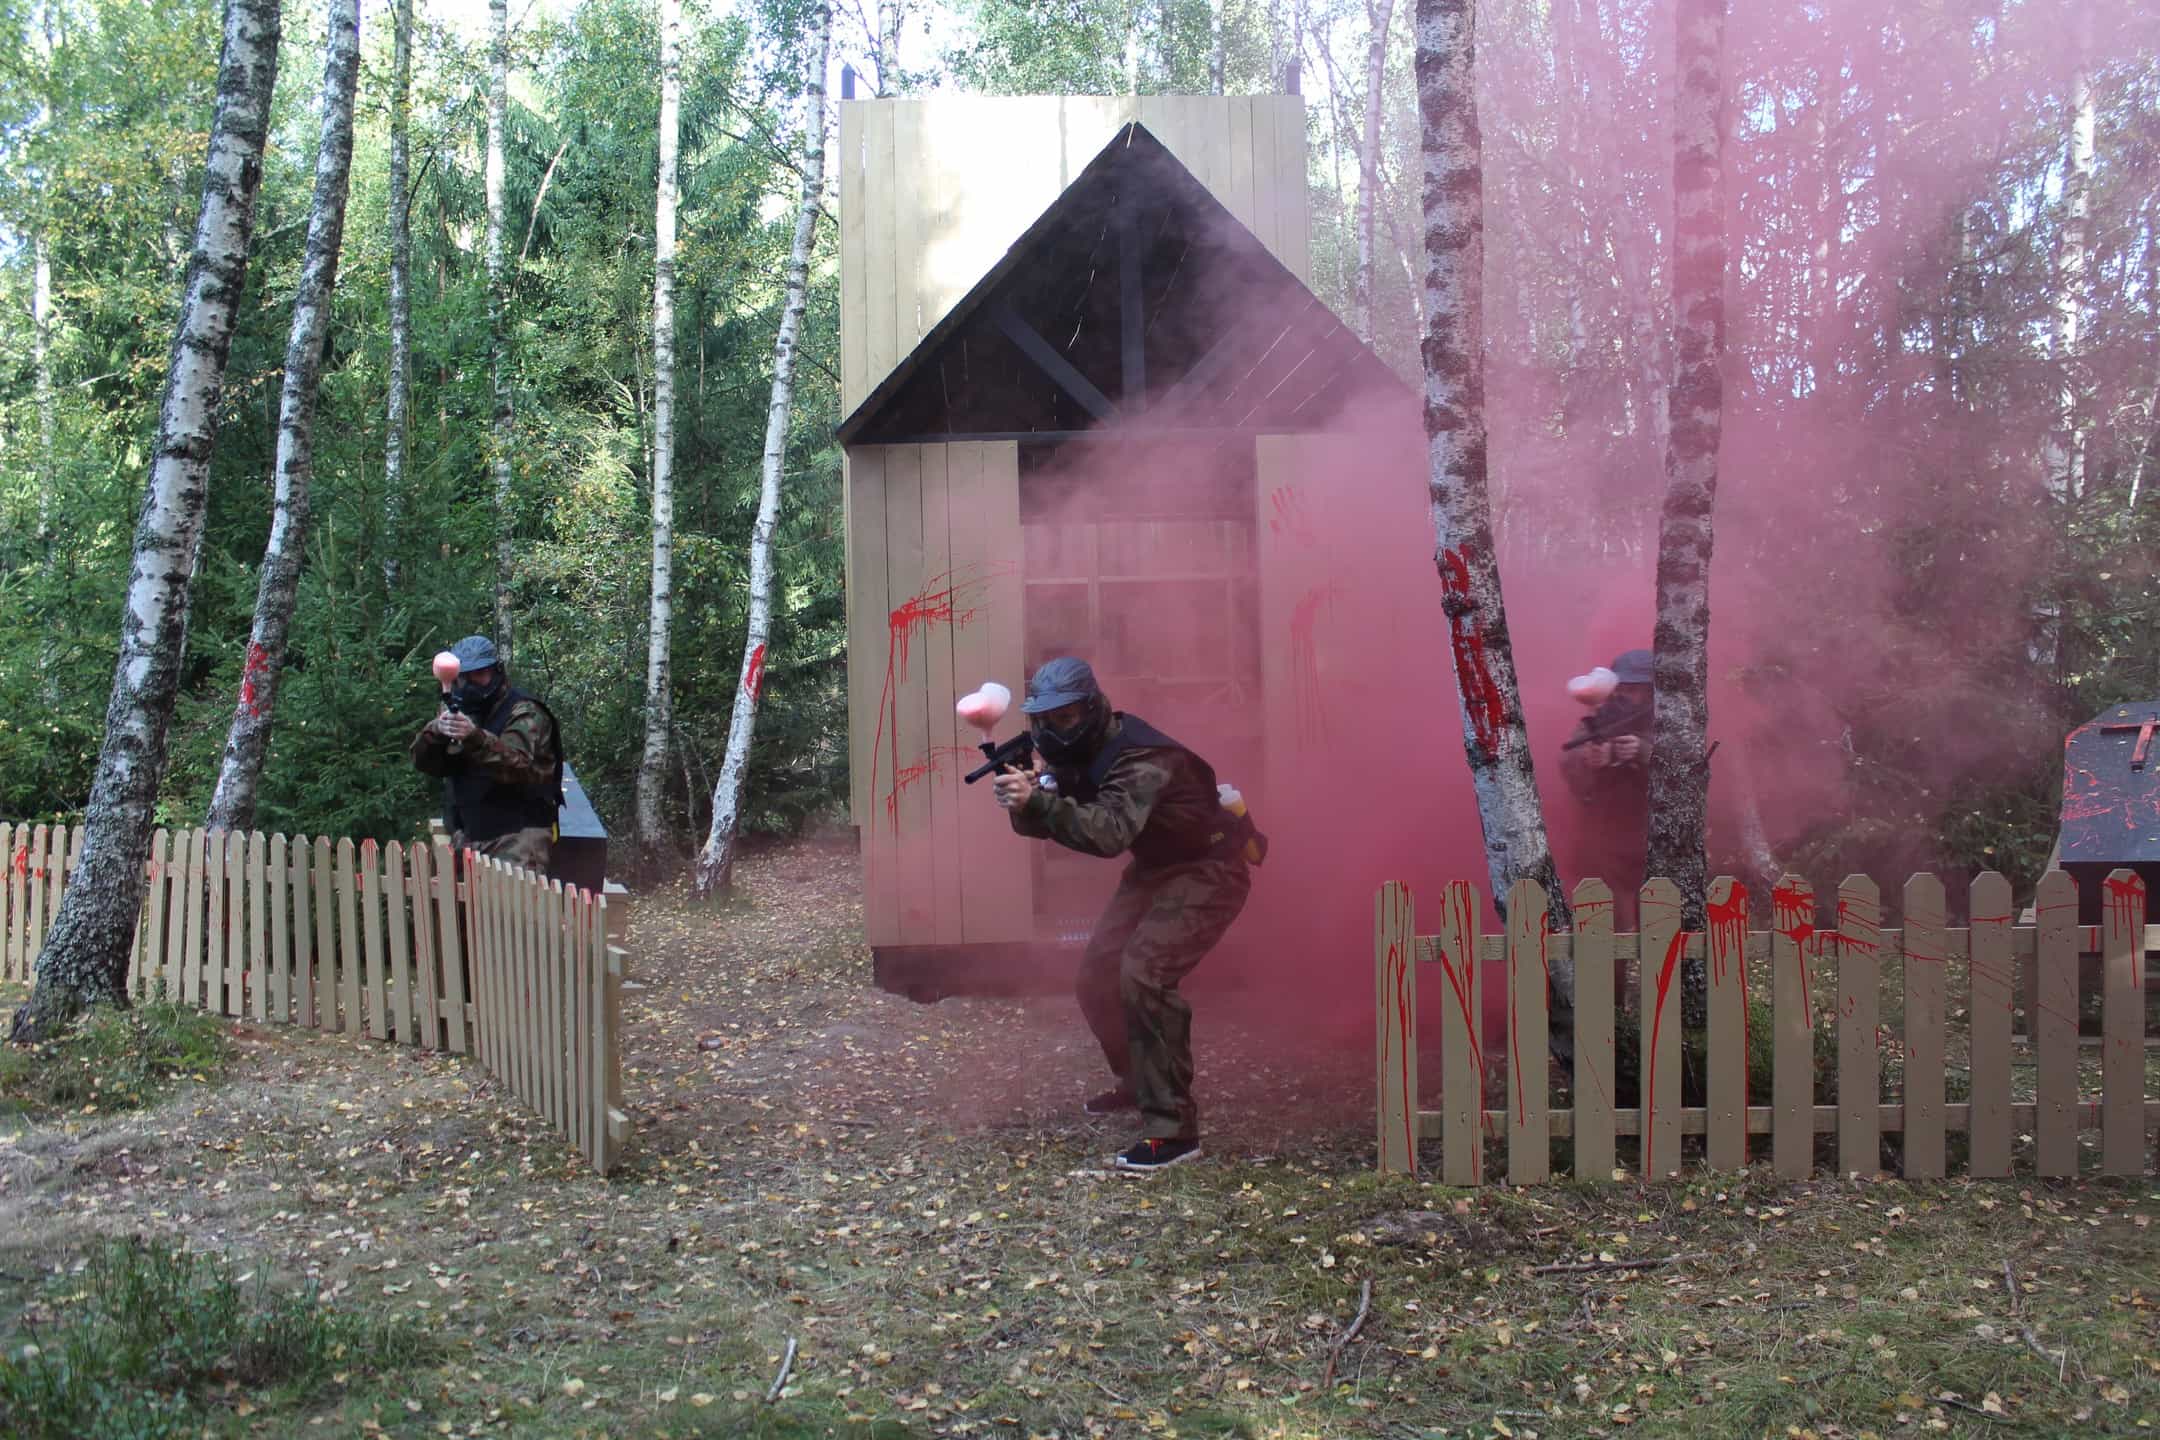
x,y
1153,1154
1110,1102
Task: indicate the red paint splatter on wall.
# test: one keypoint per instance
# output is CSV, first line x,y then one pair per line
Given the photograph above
x,y
1291,519
932,763
753,678
949,599
254,680
1473,675
1308,695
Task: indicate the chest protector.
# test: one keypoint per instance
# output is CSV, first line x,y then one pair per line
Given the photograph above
x,y
485,808
1187,821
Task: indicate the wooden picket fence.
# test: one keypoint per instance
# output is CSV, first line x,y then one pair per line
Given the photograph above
x,y
415,945
1972,968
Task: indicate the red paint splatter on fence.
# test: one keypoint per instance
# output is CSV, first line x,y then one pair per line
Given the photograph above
x,y
1649,1061
254,680
1853,927
1473,676
1457,912
1398,985
1793,916
21,862
1728,950
2126,917
1515,1069
753,678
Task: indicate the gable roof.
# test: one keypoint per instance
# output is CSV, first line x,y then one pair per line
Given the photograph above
x,y
1136,298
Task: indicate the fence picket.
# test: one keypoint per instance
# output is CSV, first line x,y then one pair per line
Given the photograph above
x,y
2055,1023
257,972
528,991
217,925
581,1090
2122,1024
1462,1040
610,1035
150,974
1592,1097
371,926
1792,1017
548,1005
277,970
1859,974
479,893
1529,928
15,854
426,973
402,1011
40,859
1395,993
450,938
592,1087
349,894
1991,996
71,856
298,885
1662,943
1726,1045
325,887
185,929
1927,954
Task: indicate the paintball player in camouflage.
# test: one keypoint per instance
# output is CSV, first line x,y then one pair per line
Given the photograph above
x,y
1115,785
1606,764
499,754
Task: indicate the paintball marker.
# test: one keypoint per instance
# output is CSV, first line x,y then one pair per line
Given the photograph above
x,y
1611,720
983,709
447,667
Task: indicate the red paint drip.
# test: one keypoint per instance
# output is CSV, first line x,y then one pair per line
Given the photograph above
x,y
1457,911
754,674
1793,916
1308,695
254,680
2126,909
1398,972
1864,926
1515,1068
1728,947
945,601
21,862
1290,517
1649,1064
1473,676
932,763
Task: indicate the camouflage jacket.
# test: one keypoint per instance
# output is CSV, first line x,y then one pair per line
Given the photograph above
x,y
1158,804
525,753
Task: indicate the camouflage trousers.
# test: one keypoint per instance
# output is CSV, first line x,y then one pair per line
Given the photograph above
x,y
530,848
1155,929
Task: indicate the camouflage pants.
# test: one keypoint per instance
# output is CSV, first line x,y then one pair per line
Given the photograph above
x,y
530,848
1155,929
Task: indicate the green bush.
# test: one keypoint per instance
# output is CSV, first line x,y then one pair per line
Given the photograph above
x,y
146,1331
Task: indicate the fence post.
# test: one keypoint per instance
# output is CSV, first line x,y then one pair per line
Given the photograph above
x,y
2122,1024
1462,1040
403,1011
451,933
1991,996
1528,969
1395,1028
2055,1024
617,1128
1663,943
1927,947
1726,1044
1592,1097
1859,973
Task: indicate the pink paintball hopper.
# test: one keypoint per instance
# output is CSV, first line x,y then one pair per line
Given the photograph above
x,y
985,707
446,668
1591,689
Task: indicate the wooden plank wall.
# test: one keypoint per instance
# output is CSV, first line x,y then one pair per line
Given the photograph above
x,y
934,191
381,941
1822,981
935,611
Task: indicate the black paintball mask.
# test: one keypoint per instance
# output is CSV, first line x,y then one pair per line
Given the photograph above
x,y
1067,680
476,700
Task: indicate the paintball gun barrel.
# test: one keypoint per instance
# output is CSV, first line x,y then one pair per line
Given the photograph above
x,y
1610,721
1020,751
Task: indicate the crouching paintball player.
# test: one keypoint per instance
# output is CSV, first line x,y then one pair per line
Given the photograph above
x,y
1110,784
499,754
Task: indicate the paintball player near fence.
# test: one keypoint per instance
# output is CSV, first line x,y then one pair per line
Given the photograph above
x,y
1115,785
499,754
1606,764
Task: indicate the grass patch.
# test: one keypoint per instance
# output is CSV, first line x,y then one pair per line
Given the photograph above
x,y
111,1060
145,1339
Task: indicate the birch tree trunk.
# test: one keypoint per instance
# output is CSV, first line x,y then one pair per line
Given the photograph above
x,y
85,959
48,405
1495,740
659,718
498,104
247,741
1679,762
397,420
1380,13
716,861
2066,467
891,15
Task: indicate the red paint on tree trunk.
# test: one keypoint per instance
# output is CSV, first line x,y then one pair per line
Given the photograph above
x,y
257,669
754,674
1473,677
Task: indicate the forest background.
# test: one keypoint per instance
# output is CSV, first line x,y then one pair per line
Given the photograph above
x,y
2020,484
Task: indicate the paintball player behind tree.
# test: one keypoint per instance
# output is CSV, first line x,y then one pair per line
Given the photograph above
x,y
499,754
1606,763
1116,785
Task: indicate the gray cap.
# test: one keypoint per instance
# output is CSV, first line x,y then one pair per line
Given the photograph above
x,y
1632,667
475,652
1060,682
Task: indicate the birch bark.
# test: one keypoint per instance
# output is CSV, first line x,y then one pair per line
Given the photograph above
x,y
1380,14
659,717
715,862
85,959
498,105
397,419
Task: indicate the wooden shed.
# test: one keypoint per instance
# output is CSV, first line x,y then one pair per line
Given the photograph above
x,y
1081,369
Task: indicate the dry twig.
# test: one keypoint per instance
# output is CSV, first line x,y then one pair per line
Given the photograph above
x,y
787,1363
1364,1307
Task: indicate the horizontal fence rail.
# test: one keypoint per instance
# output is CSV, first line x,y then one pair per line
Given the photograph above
x,y
413,945
1816,993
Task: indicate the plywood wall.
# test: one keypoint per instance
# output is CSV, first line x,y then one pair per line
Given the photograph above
x,y
933,192
935,610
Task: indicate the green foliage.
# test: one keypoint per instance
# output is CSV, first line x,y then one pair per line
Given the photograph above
x,y
111,1060
144,1333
